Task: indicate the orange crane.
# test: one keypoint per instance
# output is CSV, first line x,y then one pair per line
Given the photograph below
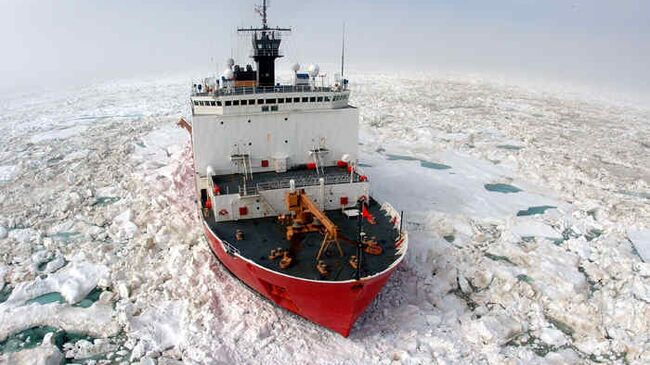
x,y
308,218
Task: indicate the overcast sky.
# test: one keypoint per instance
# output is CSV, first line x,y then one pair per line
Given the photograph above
x,y
605,44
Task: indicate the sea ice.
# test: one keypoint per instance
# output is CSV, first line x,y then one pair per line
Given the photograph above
x,y
74,282
45,354
641,241
101,178
159,328
8,172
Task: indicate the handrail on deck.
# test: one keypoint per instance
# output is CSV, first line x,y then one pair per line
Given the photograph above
x,y
268,90
299,182
230,249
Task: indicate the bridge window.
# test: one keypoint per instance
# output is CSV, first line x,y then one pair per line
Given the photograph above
x,y
218,102
196,103
260,101
244,102
265,108
296,100
320,99
288,100
274,108
228,102
270,101
281,101
312,99
327,98
235,102
305,100
213,103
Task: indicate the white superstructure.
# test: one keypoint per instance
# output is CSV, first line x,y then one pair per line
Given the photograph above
x,y
254,140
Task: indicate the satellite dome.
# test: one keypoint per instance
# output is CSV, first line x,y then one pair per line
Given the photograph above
x,y
295,67
230,62
228,74
313,70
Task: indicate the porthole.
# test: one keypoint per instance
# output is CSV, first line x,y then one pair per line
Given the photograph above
x,y
249,121
221,122
285,141
285,118
250,143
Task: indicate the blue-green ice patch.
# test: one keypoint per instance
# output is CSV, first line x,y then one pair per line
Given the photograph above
x,y
502,188
509,147
423,163
401,158
434,165
90,299
103,201
66,236
535,210
48,298
5,292
33,337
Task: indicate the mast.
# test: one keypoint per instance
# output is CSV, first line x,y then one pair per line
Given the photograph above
x,y
343,51
266,47
263,14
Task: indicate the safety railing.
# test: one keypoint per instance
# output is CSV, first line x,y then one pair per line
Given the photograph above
x,y
304,181
269,90
230,249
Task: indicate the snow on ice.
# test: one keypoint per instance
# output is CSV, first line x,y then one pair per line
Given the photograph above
x,y
527,214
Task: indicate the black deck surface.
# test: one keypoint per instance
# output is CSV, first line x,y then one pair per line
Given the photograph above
x,y
263,234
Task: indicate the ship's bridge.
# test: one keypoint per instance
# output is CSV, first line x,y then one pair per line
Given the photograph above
x,y
246,100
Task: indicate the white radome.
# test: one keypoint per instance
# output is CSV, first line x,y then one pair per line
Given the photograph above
x,y
313,70
230,62
228,74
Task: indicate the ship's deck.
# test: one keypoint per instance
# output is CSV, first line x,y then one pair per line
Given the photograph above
x,y
264,234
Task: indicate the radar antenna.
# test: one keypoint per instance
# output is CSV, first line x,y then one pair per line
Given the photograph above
x,y
261,10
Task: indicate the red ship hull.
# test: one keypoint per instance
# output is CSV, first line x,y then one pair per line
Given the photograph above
x,y
332,304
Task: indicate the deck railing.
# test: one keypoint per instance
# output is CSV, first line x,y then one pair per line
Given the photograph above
x,y
230,249
299,182
268,89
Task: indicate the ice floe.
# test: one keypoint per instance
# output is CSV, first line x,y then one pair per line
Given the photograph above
x,y
641,241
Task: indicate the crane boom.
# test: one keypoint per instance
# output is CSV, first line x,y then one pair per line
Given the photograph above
x,y
303,211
